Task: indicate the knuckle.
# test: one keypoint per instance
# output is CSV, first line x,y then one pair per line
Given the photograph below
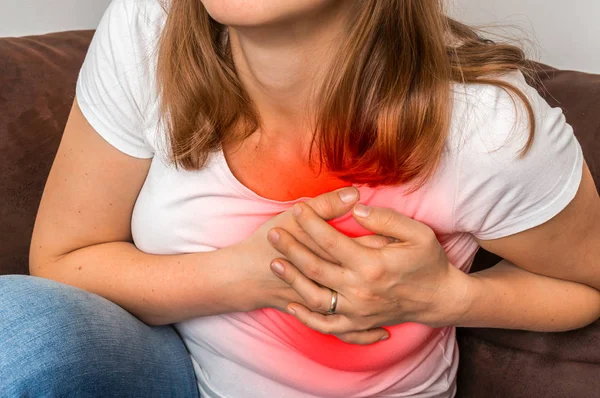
x,y
314,271
373,274
314,303
329,244
388,219
321,205
367,295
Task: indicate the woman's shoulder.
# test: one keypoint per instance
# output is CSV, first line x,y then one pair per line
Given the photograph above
x,y
126,41
152,9
501,187
133,25
140,18
487,117
116,87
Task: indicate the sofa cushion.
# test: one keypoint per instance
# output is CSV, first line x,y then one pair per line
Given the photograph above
x,y
37,86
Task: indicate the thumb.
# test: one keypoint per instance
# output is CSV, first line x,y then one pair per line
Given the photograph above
x,y
388,222
364,337
374,241
334,204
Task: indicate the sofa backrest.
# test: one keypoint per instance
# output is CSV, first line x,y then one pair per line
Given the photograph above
x,y
37,88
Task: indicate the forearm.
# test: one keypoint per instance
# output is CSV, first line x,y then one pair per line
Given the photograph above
x,y
506,296
158,289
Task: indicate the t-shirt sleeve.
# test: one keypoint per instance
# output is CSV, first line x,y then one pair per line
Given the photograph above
x,y
109,88
498,194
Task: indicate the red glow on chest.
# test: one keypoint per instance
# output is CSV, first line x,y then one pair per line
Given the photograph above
x,y
332,352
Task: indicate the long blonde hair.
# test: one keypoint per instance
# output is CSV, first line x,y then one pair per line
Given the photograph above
x,y
384,108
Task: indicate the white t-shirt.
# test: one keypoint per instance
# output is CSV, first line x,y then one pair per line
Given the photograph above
x,y
479,190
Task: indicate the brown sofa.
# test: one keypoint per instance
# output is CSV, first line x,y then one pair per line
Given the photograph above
x,y
37,81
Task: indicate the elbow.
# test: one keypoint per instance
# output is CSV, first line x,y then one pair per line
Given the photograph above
x,y
41,264
588,321
592,314
45,258
36,268
596,315
37,264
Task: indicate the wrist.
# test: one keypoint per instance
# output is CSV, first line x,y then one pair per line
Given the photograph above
x,y
458,296
239,286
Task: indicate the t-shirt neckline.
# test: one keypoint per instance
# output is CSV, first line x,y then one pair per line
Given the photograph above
x,y
247,192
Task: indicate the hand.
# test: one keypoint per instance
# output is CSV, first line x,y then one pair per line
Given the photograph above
x,y
255,252
407,280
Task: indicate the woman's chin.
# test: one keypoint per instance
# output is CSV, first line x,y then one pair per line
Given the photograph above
x,y
260,13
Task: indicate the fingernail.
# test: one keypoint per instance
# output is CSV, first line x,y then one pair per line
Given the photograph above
x,y
384,337
362,210
277,267
297,210
291,310
273,236
348,195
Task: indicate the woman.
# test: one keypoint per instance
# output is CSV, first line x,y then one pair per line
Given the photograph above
x,y
201,127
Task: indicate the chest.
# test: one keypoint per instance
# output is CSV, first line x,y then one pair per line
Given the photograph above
x,y
185,211
280,173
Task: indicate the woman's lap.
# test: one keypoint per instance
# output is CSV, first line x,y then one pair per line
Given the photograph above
x,y
57,340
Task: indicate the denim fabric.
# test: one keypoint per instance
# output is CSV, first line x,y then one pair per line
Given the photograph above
x,y
60,341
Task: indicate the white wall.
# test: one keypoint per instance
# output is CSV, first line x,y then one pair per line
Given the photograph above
x,y
567,32
28,17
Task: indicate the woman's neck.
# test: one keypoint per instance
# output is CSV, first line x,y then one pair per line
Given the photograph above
x,y
281,64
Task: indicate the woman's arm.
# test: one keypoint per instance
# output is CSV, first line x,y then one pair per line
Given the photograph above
x,y
82,237
551,277
156,289
506,296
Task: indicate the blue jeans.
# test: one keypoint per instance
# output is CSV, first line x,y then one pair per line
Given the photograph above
x,y
60,341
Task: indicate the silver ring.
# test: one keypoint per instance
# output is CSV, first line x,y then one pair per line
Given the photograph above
x,y
334,300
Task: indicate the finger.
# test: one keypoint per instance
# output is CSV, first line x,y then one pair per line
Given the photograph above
x,y
364,338
335,243
326,324
317,297
305,239
375,241
388,222
309,264
334,204
329,206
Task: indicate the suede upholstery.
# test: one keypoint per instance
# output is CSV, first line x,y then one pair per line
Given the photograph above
x,y
37,87
37,84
